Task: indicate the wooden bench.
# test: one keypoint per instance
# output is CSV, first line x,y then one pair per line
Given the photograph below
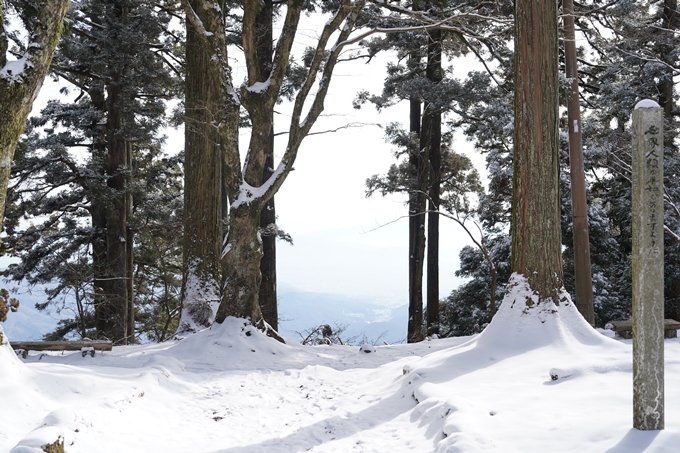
x,y
85,347
625,328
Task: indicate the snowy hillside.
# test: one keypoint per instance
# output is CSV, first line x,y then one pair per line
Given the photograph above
x,y
28,323
363,317
231,389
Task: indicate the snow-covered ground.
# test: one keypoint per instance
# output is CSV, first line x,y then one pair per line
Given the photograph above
x,y
231,389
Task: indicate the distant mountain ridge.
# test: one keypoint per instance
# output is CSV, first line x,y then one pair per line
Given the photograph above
x,y
28,323
363,316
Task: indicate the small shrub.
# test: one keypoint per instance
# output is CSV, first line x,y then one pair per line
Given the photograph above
x,y
7,304
55,447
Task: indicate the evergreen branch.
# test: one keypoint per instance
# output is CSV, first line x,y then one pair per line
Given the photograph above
x,y
169,11
84,34
170,54
424,17
590,12
675,70
91,23
170,65
623,164
481,60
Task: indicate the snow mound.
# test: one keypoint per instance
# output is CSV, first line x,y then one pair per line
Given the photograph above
x,y
52,428
553,341
234,345
10,366
521,327
165,364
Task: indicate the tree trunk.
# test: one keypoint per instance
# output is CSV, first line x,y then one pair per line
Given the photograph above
x,y
116,220
268,298
203,147
536,236
117,171
118,167
242,266
102,309
130,281
579,206
130,252
268,295
20,83
416,248
434,74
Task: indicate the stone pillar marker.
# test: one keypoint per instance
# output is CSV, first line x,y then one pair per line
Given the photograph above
x,y
648,279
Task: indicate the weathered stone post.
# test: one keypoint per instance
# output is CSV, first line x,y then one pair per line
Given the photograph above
x,y
648,310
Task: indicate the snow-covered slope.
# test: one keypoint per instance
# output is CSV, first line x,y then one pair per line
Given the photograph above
x,y
231,389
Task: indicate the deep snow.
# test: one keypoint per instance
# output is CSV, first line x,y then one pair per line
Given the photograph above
x,y
230,389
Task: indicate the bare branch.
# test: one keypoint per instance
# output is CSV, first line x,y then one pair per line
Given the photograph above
x,y
346,126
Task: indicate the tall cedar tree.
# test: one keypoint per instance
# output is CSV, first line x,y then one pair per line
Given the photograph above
x,y
536,237
94,200
618,69
432,138
485,110
211,133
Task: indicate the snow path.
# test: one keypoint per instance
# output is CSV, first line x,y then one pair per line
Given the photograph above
x,y
232,390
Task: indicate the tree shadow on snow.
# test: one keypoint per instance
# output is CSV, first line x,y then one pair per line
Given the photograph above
x,y
333,428
635,441
451,366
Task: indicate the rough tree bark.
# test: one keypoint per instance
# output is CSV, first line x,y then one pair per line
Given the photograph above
x,y
416,246
112,254
130,263
116,220
20,81
265,50
117,173
434,74
210,126
536,236
104,313
420,160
